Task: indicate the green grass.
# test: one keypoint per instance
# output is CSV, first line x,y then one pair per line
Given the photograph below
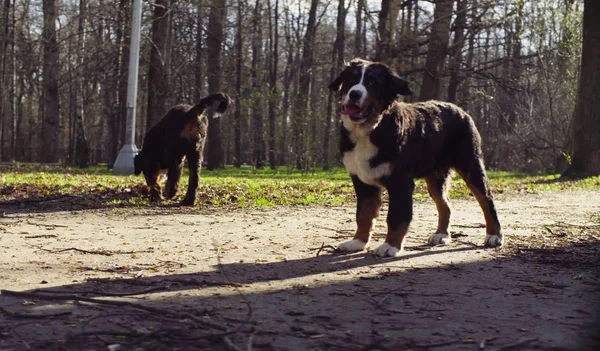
x,y
240,187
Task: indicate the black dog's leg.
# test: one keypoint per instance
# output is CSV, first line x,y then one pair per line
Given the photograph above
x,y
438,186
473,172
194,165
400,190
152,181
173,177
367,210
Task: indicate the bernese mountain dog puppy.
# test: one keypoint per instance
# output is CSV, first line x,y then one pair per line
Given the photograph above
x,y
386,143
179,135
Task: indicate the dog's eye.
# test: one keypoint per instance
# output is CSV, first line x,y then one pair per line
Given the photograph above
x,y
372,81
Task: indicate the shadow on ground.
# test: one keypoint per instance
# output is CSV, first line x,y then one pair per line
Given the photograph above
x,y
498,302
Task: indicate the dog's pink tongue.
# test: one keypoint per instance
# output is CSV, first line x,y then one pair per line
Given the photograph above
x,y
351,111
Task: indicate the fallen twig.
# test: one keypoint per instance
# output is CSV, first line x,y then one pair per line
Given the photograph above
x,y
28,200
159,311
436,344
103,293
323,247
33,315
47,225
45,236
92,252
516,346
230,345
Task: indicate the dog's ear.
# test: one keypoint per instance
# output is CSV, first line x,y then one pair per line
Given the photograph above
x,y
399,86
337,83
138,163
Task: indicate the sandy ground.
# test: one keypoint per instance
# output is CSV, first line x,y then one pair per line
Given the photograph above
x,y
212,279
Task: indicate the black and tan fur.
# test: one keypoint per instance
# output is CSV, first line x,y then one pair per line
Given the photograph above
x,y
387,143
179,135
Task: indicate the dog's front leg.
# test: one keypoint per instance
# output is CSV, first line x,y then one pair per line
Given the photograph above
x,y
400,190
193,160
367,210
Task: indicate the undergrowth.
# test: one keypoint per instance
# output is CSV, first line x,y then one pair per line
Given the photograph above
x,y
26,184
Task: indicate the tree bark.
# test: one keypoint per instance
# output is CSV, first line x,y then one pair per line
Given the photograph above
x,y
273,63
585,159
300,106
257,91
198,58
158,70
358,45
440,32
338,58
237,119
214,40
51,120
386,29
456,52
82,149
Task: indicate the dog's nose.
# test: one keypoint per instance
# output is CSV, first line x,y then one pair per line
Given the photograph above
x,y
354,95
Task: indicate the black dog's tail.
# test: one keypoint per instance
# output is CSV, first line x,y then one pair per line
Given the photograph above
x,y
223,99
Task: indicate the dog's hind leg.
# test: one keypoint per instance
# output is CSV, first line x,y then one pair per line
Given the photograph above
x,y
473,172
193,159
438,186
367,210
173,177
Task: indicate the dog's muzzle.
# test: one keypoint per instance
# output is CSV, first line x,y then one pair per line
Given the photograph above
x,y
356,114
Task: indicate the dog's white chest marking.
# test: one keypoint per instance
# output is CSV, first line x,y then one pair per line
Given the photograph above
x,y
357,162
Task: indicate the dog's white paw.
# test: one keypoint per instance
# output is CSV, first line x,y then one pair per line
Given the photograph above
x,y
493,240
387,250
352,245
439,239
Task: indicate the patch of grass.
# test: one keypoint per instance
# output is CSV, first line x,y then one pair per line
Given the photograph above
x,y
239,187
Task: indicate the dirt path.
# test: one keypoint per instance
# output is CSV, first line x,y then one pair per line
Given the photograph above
x,y
202,279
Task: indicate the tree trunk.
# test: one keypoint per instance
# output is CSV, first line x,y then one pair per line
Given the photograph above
x,y
237,120
585,160
257,91
82,148
300,106
158,70
51,120
456,52
214,41
440,32
273,63
122,70
338,58
198,58
358,45
386,29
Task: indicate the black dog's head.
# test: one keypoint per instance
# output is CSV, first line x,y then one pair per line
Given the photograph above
x,y
367,89
138,163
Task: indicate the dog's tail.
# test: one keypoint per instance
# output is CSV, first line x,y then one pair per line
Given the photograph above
x,y
223,99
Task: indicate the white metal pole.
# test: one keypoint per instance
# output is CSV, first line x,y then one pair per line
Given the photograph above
x,y
124,162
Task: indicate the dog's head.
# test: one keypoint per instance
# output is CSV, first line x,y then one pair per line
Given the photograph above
x,y
367,89
138,163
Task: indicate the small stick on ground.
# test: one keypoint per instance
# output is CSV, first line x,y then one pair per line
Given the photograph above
x,y
230,345
323,247
92,252
159,311
32,315
517,346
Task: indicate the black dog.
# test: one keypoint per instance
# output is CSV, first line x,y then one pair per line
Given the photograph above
x,y
180,134
387,144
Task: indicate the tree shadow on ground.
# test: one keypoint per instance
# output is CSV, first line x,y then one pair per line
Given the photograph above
x,y
499,302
